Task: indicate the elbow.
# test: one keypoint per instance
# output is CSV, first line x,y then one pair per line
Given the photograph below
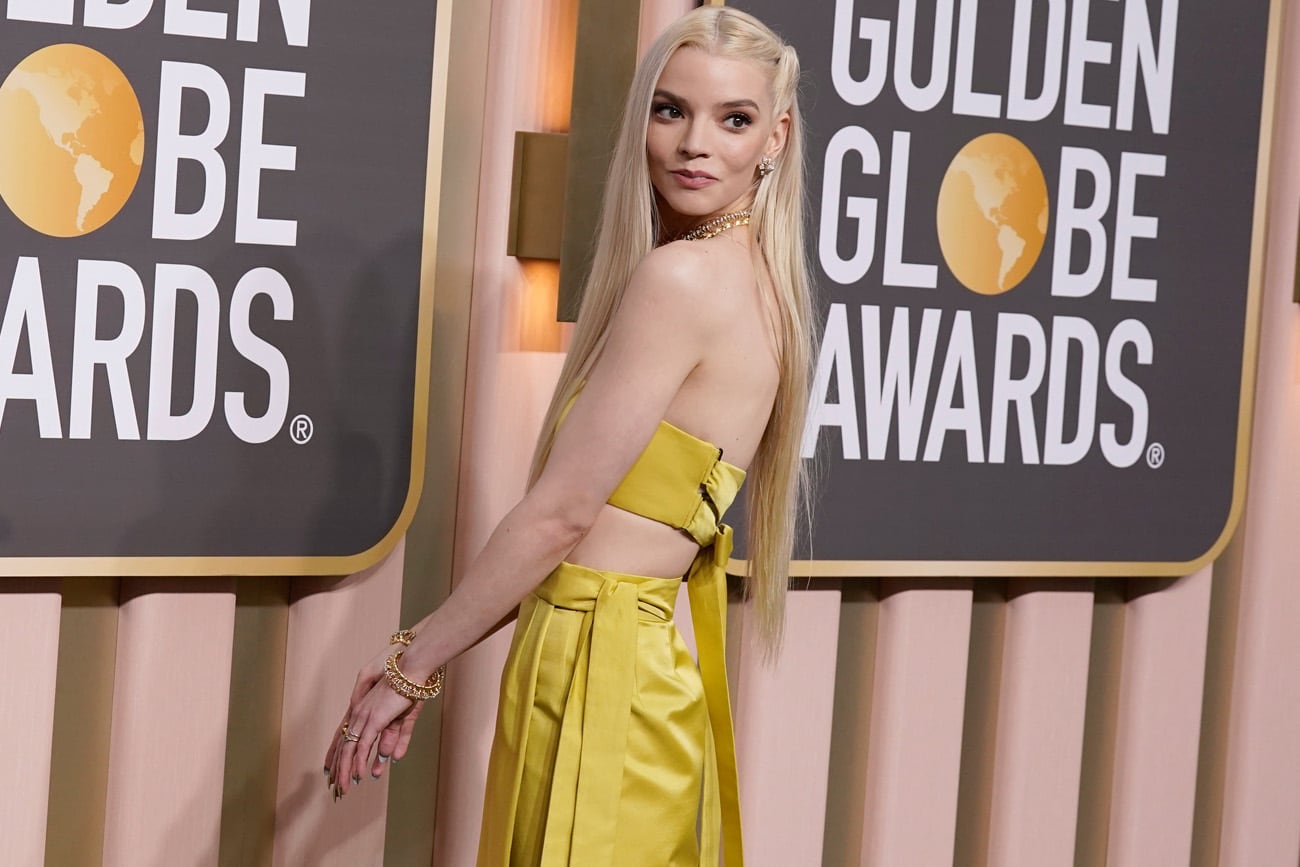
x,y
563,526
566,528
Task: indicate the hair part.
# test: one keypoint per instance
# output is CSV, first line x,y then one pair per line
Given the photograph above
x,y
779,488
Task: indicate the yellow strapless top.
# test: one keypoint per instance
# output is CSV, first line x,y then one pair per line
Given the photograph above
x,y
680,480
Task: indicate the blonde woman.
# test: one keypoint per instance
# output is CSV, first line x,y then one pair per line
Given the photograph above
x,y
688,371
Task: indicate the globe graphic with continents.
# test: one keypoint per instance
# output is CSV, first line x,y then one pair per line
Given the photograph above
x,y
992,213
71,140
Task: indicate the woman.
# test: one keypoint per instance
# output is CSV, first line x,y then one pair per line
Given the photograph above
x,y
696,317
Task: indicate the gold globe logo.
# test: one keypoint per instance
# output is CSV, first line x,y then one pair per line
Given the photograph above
x,y
992,213
71,140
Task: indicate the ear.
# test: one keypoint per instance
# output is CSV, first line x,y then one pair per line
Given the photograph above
x,y
776,139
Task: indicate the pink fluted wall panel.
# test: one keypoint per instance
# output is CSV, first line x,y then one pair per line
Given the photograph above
x,y
335,626
507,392
1039,741
1159,723
914,750
1261,816
167,745
504,449
783,734
29,650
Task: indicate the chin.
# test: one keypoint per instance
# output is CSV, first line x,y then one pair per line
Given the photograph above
x,y
689,205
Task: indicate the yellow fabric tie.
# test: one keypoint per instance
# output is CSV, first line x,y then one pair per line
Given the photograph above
x,y
706,585
593,766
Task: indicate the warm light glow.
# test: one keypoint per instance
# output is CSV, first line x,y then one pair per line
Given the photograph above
x,y
555,78
538,330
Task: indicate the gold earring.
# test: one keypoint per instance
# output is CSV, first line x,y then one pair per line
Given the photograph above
x,y
766,166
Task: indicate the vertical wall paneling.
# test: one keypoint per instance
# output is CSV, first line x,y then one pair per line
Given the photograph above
x,y
1040,723
335,626
914,756
83,711
167,746
253,728
980,723
1159,724
1220,654
508,382
855,656
426,580
509,429
1101,714
1261,817
29,641
783,734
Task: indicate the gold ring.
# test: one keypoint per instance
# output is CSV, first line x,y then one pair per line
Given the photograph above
x,y
349,736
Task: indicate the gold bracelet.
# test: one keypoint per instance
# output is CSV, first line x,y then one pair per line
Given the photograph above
x,y
407,688
402,636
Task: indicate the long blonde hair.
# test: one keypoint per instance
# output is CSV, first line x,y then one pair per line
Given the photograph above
x,y
629,229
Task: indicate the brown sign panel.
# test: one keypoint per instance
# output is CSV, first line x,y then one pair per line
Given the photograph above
x,y
1037,232
212,326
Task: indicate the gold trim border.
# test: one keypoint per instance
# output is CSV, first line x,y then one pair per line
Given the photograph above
x,y
198,565
1245,412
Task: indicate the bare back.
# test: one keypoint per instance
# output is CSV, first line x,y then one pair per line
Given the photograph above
x,y
726,399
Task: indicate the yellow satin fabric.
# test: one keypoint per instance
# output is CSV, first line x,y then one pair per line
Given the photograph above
x,y
610,741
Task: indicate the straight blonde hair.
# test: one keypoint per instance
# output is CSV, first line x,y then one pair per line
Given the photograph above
x,y
630,228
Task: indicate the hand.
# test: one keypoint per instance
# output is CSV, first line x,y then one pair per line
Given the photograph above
x,y
381,719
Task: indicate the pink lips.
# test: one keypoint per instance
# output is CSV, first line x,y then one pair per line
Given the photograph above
x,y
694,180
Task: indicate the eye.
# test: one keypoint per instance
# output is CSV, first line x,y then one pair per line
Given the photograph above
x,y
666,111
737,120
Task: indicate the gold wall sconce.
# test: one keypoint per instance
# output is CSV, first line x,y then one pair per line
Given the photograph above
x,y
537,195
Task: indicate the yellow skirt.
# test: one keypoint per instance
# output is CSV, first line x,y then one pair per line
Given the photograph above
x,y
604,748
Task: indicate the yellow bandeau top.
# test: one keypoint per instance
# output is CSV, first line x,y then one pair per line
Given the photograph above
x,y
679,480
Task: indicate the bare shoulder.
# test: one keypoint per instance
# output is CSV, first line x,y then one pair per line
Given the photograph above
x,y
705,278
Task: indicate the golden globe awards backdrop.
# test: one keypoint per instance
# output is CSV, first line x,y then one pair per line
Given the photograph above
x,y
210,255
1036,232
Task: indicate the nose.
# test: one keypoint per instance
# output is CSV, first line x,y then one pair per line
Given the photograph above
x,y
694,140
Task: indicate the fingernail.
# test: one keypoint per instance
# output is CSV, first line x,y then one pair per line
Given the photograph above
x,y
356,779
383,759
396,760
374,776
326,772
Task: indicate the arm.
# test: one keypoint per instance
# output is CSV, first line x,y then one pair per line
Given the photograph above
x,y
657,337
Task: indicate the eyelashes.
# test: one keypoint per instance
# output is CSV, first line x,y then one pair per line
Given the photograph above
x,y
735,121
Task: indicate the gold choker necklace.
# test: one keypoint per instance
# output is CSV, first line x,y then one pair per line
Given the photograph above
x,y
718,225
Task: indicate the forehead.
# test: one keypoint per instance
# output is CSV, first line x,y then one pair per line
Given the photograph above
x,y
708,79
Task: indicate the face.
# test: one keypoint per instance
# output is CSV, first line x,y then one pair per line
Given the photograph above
x,y
711,121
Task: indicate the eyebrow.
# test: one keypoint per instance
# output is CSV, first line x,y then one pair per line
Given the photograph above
x,y
731,103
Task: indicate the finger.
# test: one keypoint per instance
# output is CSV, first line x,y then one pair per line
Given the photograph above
x,y
404,735
363,753
345,776
332,754
384,750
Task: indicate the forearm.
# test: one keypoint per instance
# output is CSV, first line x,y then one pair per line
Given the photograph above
x,y
522,551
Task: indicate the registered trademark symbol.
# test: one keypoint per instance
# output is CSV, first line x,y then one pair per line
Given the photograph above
x,y
1155,455
301,429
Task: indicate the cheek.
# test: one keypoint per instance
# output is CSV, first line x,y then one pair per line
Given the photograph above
x,y
657,144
